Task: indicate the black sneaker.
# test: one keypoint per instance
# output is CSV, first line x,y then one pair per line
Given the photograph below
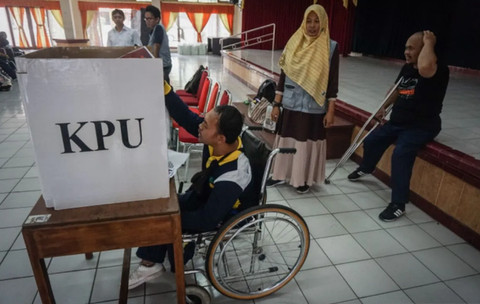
x,y
392,212
303,189
357,174
274,182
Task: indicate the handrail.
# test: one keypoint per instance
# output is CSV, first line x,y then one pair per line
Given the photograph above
x,y
252,41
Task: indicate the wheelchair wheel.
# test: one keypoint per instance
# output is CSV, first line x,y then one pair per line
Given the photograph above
x,y
257,252
197,295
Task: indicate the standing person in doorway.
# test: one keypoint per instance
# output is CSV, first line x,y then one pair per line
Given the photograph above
x,y
306,91
415,119
122,35
158,39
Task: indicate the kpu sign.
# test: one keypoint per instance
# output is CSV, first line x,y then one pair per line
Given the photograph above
x,y
98,127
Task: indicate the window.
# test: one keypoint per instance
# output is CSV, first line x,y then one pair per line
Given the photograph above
x,y
183,32
22,24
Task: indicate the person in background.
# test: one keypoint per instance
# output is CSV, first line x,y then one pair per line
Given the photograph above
x,y
7,61
306,91
122,35
158,39
415,120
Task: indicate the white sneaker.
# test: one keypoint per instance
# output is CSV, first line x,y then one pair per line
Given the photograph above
x,y
143,274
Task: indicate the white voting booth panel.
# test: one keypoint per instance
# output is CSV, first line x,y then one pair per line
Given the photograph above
x,y
98,126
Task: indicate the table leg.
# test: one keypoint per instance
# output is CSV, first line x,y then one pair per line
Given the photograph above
x,y
179,275
43,282
125,273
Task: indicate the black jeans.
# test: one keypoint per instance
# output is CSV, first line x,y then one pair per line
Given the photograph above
x,y
408,142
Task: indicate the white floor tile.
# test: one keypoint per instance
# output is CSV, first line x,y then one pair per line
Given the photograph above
x,y
396,297
107,284
435,293
324,190
13,217
308,206
289,294
316,257
444,263
356,221
72,263
289,192
376,282
115,257
28,184
441,233
338,203
378,243
468,254
73,287
7,237
467,288
15,265
6,185
324,226
416,215
18,291
273,194
324,285
413,238
21,199
368,200
8,173
406,270
348,187
342,249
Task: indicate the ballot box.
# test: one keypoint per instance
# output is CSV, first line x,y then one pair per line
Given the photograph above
x,y
98,124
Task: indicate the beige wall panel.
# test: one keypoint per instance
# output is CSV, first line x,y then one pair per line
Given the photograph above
x,y
450,193
468,211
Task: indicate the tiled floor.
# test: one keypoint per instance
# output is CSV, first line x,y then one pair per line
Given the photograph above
x,y
354,257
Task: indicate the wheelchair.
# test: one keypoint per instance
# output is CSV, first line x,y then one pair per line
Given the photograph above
x,y
257,251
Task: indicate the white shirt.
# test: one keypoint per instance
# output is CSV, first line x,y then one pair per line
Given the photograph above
x,y
126,37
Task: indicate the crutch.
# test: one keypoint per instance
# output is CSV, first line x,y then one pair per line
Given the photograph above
x,y
388,101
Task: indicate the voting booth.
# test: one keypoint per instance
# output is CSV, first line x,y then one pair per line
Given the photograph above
x,y
98,124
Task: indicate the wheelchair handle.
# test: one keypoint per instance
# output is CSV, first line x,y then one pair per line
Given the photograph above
x,y
287,150
255,128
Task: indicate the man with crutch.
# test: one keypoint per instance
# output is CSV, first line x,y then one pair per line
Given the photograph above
x,y
414,121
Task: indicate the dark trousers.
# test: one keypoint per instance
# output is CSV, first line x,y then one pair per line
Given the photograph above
x,y
157,253
166,74
408,141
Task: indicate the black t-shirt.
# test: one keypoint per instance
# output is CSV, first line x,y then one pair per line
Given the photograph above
x,y
420,101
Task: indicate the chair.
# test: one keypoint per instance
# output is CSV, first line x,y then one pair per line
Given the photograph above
x,y
193,99
226,98
213,98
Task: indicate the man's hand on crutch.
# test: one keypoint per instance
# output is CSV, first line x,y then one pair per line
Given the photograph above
x,y
387,106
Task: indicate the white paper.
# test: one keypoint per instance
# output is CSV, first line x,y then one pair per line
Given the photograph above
x,y
175,161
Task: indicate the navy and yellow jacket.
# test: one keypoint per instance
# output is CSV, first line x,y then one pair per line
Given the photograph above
x,y
228,182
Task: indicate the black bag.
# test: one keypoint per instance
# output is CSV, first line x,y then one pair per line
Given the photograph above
x,y
192,85
267,90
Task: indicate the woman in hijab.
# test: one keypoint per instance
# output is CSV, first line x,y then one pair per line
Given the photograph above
x,y
306,91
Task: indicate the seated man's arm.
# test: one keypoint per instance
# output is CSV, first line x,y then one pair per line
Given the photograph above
x,y
179,111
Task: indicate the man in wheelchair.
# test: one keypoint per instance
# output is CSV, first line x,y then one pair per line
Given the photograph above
x,y
224,183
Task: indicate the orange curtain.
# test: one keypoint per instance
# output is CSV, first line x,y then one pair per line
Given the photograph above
x,y
18,13
39,17
206,8
168,19
51,5
198,20
227,20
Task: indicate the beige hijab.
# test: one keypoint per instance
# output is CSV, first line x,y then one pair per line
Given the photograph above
x,y
306,60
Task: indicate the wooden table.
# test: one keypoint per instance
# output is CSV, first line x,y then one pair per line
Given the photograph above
x,y
104,227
